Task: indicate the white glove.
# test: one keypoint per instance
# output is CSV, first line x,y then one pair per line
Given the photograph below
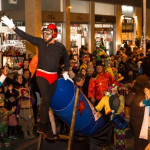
x,y
66,76
7,21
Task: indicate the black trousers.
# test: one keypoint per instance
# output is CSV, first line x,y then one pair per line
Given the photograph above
x,y
47,90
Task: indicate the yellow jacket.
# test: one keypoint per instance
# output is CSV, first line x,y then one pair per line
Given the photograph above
x,y
104,102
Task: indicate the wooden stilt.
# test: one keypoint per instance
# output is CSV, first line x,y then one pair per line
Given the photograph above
x,y
70,137
39,141
73,120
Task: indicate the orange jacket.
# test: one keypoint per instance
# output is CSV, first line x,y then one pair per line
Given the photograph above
x,y
98,86
33,64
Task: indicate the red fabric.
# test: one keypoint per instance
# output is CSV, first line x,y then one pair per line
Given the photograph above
x,y
12,120
49,77
98,86
4,74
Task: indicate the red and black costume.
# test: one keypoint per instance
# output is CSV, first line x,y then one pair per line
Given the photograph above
x,y
48,61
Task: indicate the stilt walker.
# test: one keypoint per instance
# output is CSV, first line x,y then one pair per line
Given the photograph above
x,y
47,60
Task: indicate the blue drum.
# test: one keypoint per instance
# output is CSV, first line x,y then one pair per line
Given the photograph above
x,y
62,103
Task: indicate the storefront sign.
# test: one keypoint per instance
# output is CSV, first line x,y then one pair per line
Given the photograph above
x,y
105,19
48,16
79,18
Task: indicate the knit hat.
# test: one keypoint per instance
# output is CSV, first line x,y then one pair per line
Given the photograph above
x,y
110,89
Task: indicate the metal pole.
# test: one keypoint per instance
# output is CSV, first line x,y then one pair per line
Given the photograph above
x,y
144,27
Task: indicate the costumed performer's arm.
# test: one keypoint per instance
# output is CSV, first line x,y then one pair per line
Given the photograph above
x,y
91,88
145,102
66,58
109,70
104,102
18,109
11,25
129,98
7,113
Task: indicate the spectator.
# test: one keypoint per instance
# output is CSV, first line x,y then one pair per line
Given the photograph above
x,y
79,80
98,85
90,71
83,71
133,99
25,113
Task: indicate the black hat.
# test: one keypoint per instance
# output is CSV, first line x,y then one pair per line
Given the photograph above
x,y
100,63
103,56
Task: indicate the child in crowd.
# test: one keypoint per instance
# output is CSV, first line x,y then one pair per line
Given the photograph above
x,y
25,113
9,103
4,113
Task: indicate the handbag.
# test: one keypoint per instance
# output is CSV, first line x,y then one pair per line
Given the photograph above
x,y
119,122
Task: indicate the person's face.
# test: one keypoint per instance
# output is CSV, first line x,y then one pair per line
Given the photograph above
x,y
90,64
26,74
19,80
99,69
12,99
26,63
72,64
47,35
81,82
83,72
25,93
89,72
102,59
97,48
84,51
2,95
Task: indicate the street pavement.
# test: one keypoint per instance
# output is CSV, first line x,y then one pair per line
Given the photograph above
x,y
31,144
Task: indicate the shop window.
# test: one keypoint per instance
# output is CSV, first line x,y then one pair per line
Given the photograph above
x,y
78,34
104,36
104,9
127,10
79,7
52,5
9,5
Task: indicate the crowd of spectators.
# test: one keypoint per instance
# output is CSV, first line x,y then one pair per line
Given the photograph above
x,y
93,74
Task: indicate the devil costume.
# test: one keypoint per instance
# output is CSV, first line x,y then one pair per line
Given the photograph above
x,y
48,61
